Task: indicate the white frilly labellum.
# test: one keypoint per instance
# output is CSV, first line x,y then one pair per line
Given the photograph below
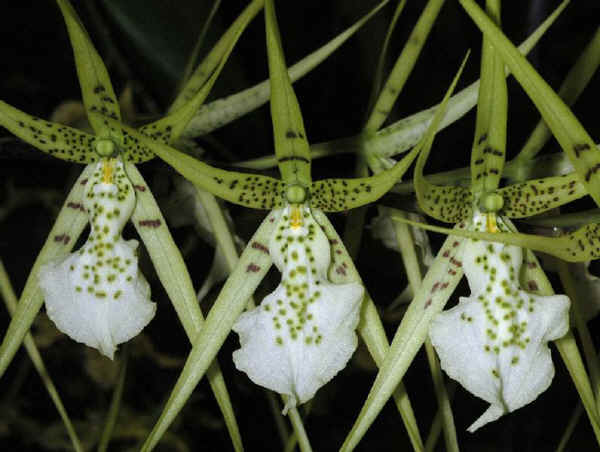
x,y
97,295
495,342
303,333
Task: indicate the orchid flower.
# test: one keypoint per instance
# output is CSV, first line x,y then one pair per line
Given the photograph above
x,y
494,342
109,192
97,294
302,334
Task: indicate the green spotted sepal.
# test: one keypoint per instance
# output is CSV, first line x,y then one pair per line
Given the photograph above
x,y
249,190
580,245
449,204
56,140
96,88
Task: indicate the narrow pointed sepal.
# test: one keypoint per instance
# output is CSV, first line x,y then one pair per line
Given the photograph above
x,y
303,333
494,343
97,295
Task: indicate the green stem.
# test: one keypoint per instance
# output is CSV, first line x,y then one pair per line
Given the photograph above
x,y
115,404
411,264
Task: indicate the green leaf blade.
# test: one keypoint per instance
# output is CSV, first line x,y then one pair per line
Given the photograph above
x,y
403,66
175,278
438,285
251,268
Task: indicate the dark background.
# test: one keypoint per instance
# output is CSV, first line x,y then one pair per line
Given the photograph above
x,y
147,42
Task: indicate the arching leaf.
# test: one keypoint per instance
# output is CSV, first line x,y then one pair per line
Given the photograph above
x,y
211,61
169,128
223,111
404,65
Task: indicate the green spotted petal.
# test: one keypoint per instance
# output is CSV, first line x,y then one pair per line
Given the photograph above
x,y
57,140
336,195
97,295
223,111
570,134
449,204
494,342
540,195
96,88
303,333
259,192
291,146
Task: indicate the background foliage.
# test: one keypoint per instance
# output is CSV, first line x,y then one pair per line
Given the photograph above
x,y
146,44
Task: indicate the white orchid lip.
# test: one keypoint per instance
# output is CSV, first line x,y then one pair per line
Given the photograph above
x,y
303,333
97,295
494,342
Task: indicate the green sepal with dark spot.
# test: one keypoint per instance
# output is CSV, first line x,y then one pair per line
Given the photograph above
x,y
577,246
57,140
449,204
249,190
569,132
336,195
540,195
489,145
291,146
96,88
